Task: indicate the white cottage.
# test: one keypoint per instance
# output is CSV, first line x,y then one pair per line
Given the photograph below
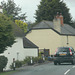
x,y
21,49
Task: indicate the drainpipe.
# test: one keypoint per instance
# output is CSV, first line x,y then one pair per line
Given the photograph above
x,y
67,41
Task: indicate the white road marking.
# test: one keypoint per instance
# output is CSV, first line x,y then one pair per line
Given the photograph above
x,y
66,71
73,67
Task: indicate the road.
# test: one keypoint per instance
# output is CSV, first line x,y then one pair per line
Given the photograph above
x,y
47,69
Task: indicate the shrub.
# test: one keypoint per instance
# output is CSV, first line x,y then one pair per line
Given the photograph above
x,y
27,60
40,60
17,64
3,62
35,59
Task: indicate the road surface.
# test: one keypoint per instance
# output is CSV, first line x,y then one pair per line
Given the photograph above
x,y
47,69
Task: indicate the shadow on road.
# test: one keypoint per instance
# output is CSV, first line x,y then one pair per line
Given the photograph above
x,y
65,64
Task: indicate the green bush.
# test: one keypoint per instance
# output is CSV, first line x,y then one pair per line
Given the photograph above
x,y
40,60
3,62
35,59
27,60
17,64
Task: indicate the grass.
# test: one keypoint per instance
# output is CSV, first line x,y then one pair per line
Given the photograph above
x,y
7,73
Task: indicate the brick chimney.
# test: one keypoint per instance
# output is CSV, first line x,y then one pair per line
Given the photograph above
x,y
1,9
58,22
61,19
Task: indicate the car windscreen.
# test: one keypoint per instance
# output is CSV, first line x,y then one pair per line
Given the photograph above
x,y
63,49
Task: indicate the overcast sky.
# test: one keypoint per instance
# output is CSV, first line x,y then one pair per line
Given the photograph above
x,y
29,6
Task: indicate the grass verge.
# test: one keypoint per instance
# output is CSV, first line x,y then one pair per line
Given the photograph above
x,y
7,73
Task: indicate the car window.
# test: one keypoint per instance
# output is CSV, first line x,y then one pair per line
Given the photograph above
x,y
63,49
72,49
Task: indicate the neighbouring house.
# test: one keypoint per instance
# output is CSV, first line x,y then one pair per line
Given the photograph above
x,y
21,49
50,35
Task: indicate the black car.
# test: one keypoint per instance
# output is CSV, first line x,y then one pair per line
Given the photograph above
x,y
64,54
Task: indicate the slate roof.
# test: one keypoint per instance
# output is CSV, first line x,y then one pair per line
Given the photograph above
x,y
28,44
65,30
18,32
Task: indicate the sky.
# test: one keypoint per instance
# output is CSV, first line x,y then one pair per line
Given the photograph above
x,y
30,7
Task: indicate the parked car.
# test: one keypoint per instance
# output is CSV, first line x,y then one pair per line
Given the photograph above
x,y
64,54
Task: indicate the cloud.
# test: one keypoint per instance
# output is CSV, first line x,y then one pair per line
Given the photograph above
x,y
29,6
71,5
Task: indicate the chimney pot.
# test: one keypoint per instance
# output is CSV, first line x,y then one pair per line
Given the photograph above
x,y
57,16
61,19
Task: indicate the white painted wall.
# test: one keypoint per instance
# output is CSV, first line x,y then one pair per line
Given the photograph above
x,y
1,10
11,52
17,47
31,52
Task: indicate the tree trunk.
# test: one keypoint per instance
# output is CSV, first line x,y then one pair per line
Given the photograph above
x,y
1,69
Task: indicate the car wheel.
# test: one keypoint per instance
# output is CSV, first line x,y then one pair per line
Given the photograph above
x,y
55,62
72,63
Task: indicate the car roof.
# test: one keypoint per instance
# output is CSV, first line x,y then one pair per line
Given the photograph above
x,y
65,47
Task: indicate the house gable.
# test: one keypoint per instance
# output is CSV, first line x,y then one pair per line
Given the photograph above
x,y
28,44
45,38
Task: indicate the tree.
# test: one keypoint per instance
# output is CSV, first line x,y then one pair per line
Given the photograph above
x,y
6,34
22,17
3,62
73,24
22,25
30,25
48,9
12,10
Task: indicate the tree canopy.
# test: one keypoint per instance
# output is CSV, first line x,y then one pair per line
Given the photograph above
x,y
48,9
73,24
6,34
22,25
12,10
